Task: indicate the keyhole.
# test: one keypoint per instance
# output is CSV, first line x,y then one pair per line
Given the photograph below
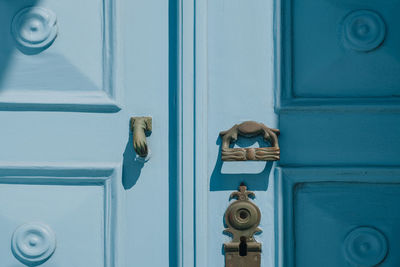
x,y
243,214
243,246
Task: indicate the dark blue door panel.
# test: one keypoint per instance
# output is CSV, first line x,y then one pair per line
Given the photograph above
x,y
342,224
337,217
339,49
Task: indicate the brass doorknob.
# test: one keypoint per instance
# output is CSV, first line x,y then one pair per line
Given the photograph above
x,y
250,129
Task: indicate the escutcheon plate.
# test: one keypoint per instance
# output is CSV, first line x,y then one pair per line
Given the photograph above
x,y
242,218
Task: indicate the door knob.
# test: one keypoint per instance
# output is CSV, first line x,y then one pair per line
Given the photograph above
x,y
139,127
250,129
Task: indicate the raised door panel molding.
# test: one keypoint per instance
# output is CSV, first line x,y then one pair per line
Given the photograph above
x,y
342,53
60,215
338,216
59,56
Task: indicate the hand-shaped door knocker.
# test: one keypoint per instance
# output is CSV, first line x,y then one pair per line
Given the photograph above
x,y
250,129
139,127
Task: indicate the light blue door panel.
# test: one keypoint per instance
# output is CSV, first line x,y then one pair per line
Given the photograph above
x,y
237,83
69,59
49,214
72,74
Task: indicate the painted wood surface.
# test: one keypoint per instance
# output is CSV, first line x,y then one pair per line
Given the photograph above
x,y
337,100
72,74
234,83
66,160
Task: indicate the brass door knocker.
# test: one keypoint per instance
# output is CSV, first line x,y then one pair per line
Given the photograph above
x,y
250,129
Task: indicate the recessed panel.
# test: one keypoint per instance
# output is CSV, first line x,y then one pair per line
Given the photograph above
x,y
346,224
342,48
74,214
56,216
345,138
56,52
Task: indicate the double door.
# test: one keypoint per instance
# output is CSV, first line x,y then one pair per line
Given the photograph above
x,y
74,192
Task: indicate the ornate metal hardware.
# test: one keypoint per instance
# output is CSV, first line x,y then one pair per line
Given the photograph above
x,y
250,129
242,218
139,127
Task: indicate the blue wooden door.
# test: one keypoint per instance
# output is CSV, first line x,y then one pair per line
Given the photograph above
x,y
72,191
326,73
338,85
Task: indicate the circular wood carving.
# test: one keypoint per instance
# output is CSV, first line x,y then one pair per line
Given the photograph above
x,y
364,30
34,28
33,243
365,246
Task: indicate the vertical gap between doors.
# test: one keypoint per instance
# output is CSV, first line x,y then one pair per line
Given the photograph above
x,y
174,133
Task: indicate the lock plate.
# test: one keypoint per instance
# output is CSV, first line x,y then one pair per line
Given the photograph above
x,y
252,259
242,218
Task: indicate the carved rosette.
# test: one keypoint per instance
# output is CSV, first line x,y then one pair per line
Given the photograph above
x,y
365,246
363,30
34,28
33,243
